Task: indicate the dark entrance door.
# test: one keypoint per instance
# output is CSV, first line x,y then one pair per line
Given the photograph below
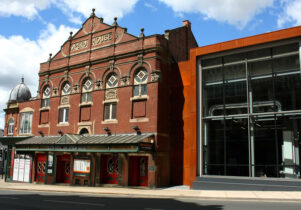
x,y
138,171
40,167
63,169
109,169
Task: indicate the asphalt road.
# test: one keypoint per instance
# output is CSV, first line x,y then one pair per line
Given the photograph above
x,y
11,199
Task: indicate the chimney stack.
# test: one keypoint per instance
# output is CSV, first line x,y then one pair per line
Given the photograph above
x,y
187,23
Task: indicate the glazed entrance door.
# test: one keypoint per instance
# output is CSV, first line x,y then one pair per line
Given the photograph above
x,y
40,168
109,169
63,170
138,171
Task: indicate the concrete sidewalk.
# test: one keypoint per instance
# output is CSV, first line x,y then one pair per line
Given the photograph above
x,y
160,192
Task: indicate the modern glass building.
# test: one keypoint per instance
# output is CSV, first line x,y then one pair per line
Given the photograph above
x,y
242,112
251,111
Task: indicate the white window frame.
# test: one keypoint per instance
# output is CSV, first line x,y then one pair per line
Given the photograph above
x,y
25,123
11,125
64,113
111,111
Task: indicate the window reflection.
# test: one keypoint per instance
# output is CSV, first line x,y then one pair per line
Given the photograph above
x,y
251,113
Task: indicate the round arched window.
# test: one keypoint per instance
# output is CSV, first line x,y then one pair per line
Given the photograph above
x,y
66,89
112,80
140,81
46,96
87,90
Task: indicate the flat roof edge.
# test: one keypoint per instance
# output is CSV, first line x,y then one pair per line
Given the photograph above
x,y
257,39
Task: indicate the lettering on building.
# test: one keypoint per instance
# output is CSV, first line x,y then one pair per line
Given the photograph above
x,y
101,39
79,45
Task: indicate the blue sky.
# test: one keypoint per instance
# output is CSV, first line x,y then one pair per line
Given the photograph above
x,y
31,29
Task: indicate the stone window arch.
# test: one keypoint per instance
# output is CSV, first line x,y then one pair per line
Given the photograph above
x,y
140,82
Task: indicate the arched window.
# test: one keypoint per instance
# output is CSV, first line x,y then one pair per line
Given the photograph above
x,y
46,96
112,80
66,89
87,87
11,125
140,81
111,93
84,131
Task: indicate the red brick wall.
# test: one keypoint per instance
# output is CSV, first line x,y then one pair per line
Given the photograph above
x,y
156,112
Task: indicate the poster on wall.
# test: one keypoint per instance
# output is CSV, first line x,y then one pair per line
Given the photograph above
x,y
16,169
27,170
81,166
21,170
50,164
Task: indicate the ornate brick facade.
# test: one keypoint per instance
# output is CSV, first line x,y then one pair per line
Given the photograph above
x,y
92,78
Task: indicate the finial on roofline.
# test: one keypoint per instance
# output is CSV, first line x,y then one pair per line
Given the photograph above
x,y
142,33
70,37
115,21
93,13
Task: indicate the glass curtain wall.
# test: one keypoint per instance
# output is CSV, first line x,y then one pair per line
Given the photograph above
x,y
252,113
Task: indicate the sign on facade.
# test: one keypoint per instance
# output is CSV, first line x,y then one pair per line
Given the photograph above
x,y
81,166
21,171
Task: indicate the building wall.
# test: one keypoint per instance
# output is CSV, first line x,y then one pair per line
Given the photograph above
x,y
79,59
188,70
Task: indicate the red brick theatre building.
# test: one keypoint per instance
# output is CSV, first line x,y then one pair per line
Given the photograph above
x,y
107,111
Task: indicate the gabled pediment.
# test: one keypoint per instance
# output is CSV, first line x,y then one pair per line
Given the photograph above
x,y
94,34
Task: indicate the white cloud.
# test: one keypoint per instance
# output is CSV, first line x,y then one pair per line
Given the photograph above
x,y
24,57
291,13
235,12
73,9
3,99
24,8
106,9
152,7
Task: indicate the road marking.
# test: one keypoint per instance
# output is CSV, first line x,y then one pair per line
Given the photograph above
x,y
152,209
8,197
71,202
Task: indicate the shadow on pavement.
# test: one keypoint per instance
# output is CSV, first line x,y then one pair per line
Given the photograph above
x,y
48,201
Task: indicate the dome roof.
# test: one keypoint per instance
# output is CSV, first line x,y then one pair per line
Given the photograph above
x,y
20,93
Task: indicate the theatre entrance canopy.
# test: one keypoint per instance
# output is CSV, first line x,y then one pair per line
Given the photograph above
x,y
88,143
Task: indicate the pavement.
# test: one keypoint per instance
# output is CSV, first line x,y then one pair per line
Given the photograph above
x,y
173,192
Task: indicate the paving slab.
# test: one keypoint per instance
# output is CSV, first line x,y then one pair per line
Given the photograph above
x,y
159,192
